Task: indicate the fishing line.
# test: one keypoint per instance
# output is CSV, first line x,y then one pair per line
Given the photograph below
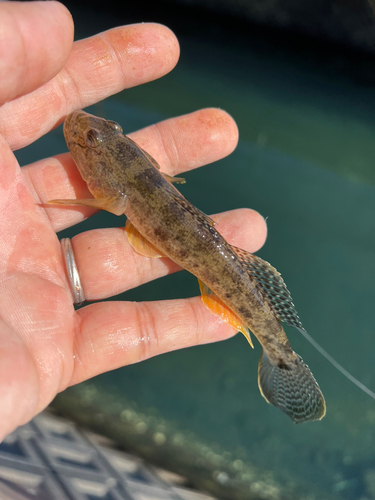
x,y
337,365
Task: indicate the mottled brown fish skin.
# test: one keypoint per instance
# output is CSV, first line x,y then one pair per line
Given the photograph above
x,y
118,167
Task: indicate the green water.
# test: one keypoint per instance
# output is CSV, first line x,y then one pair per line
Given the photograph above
x,y
304,161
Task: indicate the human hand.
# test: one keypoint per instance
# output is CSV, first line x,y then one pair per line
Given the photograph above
x,y
45,345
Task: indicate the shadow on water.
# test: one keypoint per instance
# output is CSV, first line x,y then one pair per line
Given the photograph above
x,y
304,161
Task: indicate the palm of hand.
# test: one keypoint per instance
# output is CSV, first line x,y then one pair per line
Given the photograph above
x,y
45,344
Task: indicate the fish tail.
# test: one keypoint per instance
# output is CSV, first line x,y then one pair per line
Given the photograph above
x,y
292,388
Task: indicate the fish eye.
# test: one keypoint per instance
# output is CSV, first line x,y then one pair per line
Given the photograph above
x,y
115,126
93,138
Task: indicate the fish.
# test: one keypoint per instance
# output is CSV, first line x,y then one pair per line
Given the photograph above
x,y
241,288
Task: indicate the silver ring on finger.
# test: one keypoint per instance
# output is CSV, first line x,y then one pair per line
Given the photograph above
x,y
72,271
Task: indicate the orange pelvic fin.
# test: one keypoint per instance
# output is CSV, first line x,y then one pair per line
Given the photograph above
x,y
139,242
217,307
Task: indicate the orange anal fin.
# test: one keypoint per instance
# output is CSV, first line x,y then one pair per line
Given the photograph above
x,y
176,180
217,307
116,206
139,242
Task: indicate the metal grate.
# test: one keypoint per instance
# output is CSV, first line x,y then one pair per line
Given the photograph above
x,y
49,458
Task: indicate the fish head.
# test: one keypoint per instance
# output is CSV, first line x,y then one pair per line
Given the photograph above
x,y
92,142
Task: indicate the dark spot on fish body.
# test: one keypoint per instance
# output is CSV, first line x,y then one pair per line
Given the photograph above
x,y
160,234
153,177
244,311
283,366
182,254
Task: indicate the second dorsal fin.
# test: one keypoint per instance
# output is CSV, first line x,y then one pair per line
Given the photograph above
x,y
272,286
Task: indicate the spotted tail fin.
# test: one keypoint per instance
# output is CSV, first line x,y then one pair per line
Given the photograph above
x,y
292,388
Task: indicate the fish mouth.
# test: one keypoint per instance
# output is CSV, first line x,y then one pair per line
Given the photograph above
x,y
70,124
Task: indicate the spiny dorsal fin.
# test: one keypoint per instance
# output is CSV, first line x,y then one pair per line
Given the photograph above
x,y
201,217
217,307
272,286
154,163
152,160
174,180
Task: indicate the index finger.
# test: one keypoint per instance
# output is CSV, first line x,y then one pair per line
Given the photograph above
x,y
98,67
27,61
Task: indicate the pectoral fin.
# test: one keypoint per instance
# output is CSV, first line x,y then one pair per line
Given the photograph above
x,y
217,307
272,287
116,206
139,242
